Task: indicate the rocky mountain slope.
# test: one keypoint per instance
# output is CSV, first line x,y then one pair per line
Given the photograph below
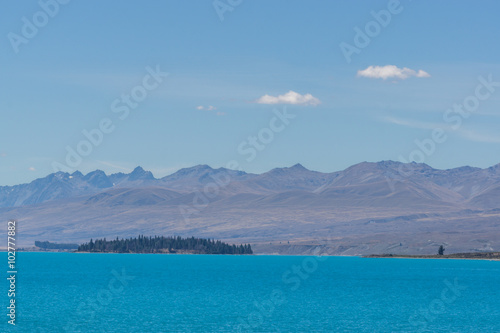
x,y
367,208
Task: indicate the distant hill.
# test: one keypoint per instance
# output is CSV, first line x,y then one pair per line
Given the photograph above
x,y
366,208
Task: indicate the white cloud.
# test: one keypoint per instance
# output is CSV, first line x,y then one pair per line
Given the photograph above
x,y
472,135
208,108
479,136
290,97
415,123
220,113
32,169
391,71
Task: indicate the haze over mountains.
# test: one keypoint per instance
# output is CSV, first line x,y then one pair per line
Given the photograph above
x,y
367,208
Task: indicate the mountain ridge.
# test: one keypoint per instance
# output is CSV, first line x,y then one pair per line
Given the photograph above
x,y
64,185
367,208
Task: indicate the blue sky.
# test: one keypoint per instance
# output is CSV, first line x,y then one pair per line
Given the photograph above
x,y
228,78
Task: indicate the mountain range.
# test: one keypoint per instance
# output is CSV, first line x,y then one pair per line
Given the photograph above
x,y
367,208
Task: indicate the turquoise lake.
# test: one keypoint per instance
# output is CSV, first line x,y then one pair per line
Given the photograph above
x,y
70,292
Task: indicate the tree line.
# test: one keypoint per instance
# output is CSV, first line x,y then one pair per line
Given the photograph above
x,y
55,246
162,244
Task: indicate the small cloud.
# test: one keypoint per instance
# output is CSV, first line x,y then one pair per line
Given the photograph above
x,y
32,169
220,113
411,123
391,71
3,155
290,97
477,136
208,108
468,134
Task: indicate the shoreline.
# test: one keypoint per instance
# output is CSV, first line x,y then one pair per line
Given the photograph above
x,y
398,257
369,256
492,256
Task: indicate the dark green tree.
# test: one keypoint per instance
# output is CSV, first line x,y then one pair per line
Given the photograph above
x,y
441,250
161,244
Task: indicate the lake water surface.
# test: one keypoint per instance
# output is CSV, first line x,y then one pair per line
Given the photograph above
x,y
73,292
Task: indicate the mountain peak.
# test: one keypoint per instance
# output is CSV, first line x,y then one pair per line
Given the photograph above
x,y
77,174
140,173
201,167
496,166
194,169
98,179
298,166
388,163
288,171
95,173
